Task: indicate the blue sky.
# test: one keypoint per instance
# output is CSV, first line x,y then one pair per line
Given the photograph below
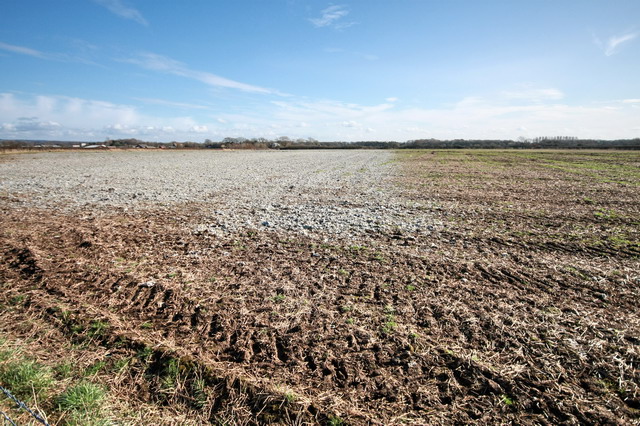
x,y
163,70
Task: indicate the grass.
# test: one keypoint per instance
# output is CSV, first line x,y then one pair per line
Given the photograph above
x,y
24,377
98,328
95,368
506,400
278,298
390,324
335,421
83,403
53,389
171,376
346,308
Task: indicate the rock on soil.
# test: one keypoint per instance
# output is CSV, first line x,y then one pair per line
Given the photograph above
x,y
345,194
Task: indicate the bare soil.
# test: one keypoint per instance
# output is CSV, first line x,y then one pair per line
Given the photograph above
x,y
522,307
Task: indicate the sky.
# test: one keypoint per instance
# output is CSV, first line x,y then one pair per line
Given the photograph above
x,y
169,70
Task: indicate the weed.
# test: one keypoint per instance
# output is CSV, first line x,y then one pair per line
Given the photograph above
x,y
290,397
506,399
389,325
619,241
350,321
64,370
25,378
121,365
335,421
411,287
84,402
199,393
95,368
146,325
346,308
98,328
171,375
278,298
343,272
145,354
606,214
17,300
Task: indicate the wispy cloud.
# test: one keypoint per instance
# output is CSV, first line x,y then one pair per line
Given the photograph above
x,y
533,94
23,50
332,17
162,63
118,8
163,102
612,46
60,57
362,55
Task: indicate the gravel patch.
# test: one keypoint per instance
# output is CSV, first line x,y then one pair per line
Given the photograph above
x,y
339,193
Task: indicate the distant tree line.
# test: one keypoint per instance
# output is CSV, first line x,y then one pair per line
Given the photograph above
x,y
284,142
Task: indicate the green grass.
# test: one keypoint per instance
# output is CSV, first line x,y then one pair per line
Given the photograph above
x,y
335,421
390,324
506,400
171,375
25,378
98,328
95,368
83,403
278,298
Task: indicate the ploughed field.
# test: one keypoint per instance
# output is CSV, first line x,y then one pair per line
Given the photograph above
x,y
331,287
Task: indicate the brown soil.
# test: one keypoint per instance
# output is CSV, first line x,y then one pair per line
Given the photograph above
x,y
523,309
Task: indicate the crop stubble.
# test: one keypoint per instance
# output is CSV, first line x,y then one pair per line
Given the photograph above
x,y
519,304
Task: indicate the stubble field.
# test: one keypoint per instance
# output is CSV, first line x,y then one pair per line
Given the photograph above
x,y
331,287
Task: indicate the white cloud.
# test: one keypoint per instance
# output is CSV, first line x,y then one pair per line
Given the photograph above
x,y
161,63
471,117
163,102
333,16
67,118
350,123
612,46
391,99
118,8
61,57
534,95
22,50
366,56
199,129
56,117
631,101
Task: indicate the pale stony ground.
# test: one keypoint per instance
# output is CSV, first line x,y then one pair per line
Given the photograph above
x,y
333,193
